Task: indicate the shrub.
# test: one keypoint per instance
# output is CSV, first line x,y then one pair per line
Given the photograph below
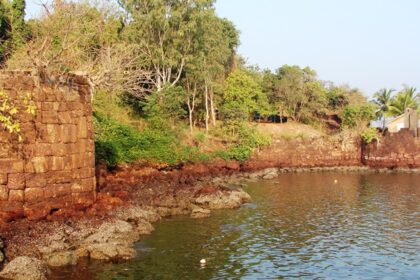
x,y
106,152
119,143
167,103
200,137
11,108
248,139
356,116
370,134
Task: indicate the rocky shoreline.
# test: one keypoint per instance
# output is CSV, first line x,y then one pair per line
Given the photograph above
x,y
65,243
107,232
129,202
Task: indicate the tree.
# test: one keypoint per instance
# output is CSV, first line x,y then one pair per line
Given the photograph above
x,y
407,98
212,49
19,29
383,100
77,37
164,31
13,29
5,37
166,104
358,117
298,93
243,97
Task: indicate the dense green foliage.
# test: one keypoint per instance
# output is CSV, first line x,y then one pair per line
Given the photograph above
x,y
118,143
356,116
4,32
369,135
383,99
156,65
407,98
295,92
14,31
243,97
19,28
246,141
160,144
166,104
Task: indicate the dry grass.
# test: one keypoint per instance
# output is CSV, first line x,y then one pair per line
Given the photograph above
x,y
290,130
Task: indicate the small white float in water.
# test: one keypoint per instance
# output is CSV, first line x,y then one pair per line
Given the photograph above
x,y
203,261
335,181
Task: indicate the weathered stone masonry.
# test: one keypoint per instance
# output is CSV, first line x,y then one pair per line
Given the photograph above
x,y
308,153
53,167
395,150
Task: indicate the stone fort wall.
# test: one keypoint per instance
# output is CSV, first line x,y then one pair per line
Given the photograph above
x,y
308,153
52,167
394,150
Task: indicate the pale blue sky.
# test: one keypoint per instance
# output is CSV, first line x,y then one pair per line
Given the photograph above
x,y
367,44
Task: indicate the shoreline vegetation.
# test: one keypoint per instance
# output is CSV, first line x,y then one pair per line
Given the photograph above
x,y
180,121
169,87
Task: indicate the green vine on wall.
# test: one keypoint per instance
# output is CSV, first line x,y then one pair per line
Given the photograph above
x,y
10,110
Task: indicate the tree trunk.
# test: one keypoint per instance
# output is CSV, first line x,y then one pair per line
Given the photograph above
x,y
206,99
212,108
281,115
383,124
191,105
190,113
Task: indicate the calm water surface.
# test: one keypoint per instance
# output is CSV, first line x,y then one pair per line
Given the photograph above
x,y
298,226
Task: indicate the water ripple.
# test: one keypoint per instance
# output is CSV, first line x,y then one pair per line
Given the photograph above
x,y
299,226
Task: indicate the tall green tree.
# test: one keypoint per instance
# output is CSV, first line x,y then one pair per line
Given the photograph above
x,y
243,97
212,50
5,36
164,30
407,98
20,31
298,93
383,100
358,117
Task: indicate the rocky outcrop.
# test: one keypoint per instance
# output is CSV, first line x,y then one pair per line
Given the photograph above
x,y
140,218
113,240
223,199
114,237
1,252
56,249
25,268
200,213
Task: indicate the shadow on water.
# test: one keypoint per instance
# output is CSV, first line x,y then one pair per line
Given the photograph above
x,y
298,226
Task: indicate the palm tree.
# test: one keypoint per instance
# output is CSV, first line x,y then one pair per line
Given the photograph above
x,y
383,99
407,98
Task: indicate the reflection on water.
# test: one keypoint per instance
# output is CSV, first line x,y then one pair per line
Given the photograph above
x,y
298,226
